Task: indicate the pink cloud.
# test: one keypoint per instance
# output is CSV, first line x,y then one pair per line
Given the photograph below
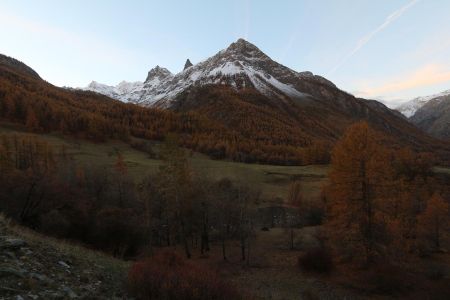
x,y
427,75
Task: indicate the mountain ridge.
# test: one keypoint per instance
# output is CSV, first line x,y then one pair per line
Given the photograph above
x,y
434,117
16,65
220,120
240,65
409,108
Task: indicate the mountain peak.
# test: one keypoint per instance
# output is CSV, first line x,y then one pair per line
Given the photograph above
x,y
187,64
410,107
245,48
240,66
158,73
242,42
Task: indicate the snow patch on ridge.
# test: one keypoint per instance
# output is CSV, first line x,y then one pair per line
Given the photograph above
x,y
241,65
409,108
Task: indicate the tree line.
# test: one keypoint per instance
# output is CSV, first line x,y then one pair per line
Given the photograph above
x,y
44,188
384,205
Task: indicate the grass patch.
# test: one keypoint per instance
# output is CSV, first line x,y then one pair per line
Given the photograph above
x,y
272,181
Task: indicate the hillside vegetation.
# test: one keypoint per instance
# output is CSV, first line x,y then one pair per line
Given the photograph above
x,y
272,181
44,108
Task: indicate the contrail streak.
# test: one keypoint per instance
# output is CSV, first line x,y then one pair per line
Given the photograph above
x,y
365,39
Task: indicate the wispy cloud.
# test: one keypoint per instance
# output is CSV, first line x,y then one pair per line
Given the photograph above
x,y
365,39
427,75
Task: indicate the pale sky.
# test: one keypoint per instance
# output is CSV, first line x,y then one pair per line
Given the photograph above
x,y
390,50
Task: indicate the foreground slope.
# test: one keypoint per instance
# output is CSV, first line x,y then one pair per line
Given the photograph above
x,y
38,267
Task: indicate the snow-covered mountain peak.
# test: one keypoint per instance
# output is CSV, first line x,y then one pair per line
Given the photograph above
x,y
241,65
243,49
158,73
97,87
409,108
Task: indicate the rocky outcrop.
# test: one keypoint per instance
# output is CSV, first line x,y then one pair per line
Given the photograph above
x,y
35,267
158,73
188,64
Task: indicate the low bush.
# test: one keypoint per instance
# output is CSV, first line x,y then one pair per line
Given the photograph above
x,y
117,231
168,276
391,280
55,223
317,260
314,215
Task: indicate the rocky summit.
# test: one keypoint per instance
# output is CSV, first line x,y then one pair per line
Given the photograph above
x,y
188,64
241,65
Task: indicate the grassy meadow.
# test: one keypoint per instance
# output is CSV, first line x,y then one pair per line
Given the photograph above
x,y
272,181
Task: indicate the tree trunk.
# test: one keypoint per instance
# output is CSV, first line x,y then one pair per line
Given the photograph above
x,y
292,238
437,236
243,247
248,251
223,248
185,240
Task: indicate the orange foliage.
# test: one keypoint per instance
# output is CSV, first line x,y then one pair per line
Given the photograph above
x,y
168,276
434,221
358,178
43,107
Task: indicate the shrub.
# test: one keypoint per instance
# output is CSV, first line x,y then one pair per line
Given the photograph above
x,y
387,279
314,215
168,275
117,230
55,223
436,273
317,260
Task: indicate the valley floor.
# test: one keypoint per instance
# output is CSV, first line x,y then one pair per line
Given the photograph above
x,y
33,266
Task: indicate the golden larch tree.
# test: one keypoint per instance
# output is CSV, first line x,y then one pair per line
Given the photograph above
x,y
434,221
359,174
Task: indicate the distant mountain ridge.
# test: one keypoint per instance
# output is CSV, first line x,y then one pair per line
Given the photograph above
x,y
430,113
434,117
241,78
409,108
238,104
242,65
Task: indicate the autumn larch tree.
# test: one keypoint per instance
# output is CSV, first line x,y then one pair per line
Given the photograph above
x,y
295,202
121,179
176,182
434,221
32,121
355,199
225,211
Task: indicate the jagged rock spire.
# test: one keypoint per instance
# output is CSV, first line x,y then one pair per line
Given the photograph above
x,y
158,72
187,64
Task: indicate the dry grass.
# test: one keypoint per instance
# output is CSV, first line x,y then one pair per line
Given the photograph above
x,y
272,181
67,248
